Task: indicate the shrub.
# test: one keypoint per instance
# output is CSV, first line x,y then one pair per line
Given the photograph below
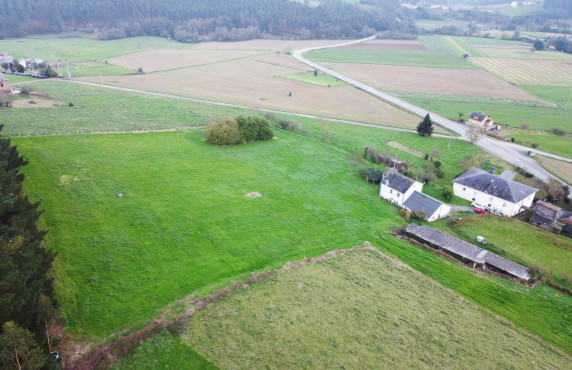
x,y
557,131
26,90
419,215
534,145
224,131
512,139
525,126
411,173
426,156
447,193
439,173
371,174
295,126
254,128
437,164
70,105
405,213
270,116
284,124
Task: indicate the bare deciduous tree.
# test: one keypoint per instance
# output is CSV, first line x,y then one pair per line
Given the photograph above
x,y
474,134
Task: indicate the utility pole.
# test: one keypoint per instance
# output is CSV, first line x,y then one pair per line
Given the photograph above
x,y
100,78
68,69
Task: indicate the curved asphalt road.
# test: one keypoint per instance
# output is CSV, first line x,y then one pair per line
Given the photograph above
x,y
509,152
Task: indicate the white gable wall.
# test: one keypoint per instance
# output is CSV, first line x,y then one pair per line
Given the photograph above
x,y
396,197
441,212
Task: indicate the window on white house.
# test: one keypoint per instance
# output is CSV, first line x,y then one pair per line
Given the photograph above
x,y
504,204
391,192
491,199
464,189
475,193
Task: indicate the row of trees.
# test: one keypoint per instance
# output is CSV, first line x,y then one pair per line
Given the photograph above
x,y
26,309
197,20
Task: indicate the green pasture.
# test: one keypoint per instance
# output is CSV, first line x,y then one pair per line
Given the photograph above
x,y
487,41
519,242
97,109
15,78
321,79
561,145
431,24
440,53
184,223
358,310
554,94
82,48
165,351
97,68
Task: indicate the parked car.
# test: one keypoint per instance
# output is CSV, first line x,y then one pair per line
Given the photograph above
x,y
477,205
480,211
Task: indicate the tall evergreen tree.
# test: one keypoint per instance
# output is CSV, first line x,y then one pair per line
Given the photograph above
x,y
24,262
425,127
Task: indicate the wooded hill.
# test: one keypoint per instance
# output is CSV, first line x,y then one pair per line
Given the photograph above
x,y
197,20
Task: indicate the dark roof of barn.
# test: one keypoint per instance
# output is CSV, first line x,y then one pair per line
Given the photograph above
x,y
467,250
422,202
545,213
494,185
397,181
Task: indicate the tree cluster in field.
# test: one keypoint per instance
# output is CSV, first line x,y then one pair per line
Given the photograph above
x,y
26,308
198,20
371,175
242,129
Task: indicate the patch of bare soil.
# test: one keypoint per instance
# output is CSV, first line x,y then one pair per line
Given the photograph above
x,y
398,145
253,195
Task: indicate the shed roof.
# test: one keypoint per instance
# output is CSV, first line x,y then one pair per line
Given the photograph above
x,y
397,181
422,202
467,250
494,185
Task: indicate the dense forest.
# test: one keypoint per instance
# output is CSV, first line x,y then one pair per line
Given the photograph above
x,y
198,20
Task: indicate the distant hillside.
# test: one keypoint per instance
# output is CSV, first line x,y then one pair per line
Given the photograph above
x,y
196,20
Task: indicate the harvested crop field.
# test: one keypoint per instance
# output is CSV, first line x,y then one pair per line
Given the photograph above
x,y
433,80
160,60
388,45
256,82
521,52
528,72
560,168
359,310
262,44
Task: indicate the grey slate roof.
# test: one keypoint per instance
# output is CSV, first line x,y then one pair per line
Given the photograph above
x,y
397,181
467,250
478,116
494,185
422,202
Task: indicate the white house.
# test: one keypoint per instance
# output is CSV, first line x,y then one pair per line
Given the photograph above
x,y
432,208
494,192
396,188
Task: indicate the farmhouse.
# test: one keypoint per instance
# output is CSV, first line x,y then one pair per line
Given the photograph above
x,y
431,207
396,188
466,252
480,119
5,88
545,216
505,196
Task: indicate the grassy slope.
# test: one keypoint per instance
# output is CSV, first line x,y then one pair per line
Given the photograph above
x,y
520,242
165,351
185,223
101,109
440,53
358,310
546,142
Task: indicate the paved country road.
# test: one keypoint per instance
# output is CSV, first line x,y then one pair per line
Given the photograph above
x,y
509,152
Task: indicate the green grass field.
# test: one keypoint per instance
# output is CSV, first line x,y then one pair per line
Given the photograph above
x,y
321,79
561,145
361,310
184,222
440,53
519,242
97,68
555,94
76,49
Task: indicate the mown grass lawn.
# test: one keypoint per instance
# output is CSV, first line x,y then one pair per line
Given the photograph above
x,y
561,145
184,223
519,242
359,310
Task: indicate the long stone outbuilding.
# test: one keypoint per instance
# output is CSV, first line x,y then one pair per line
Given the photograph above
x,y
467,251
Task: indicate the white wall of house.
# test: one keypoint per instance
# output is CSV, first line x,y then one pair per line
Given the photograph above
x,y
506,207
441,212
396,197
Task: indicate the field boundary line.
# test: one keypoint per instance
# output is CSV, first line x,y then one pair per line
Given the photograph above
x,y
113,348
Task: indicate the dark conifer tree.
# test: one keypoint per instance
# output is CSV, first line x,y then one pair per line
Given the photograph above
x,y
425,127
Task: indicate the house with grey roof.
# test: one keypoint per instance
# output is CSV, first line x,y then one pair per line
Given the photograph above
x,y
494,192
396,188
545,216
431,207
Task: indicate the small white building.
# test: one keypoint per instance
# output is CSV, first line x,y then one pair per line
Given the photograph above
x,y
431,207
505,196
396,188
